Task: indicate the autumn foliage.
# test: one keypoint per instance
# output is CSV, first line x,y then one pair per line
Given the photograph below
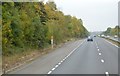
x,y
31,25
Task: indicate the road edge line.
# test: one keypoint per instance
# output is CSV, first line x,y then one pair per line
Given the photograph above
x,y
111,43
59,63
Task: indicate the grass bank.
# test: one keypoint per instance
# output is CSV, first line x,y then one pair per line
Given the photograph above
x,y
13,62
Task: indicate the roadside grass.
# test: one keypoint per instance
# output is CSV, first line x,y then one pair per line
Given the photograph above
x,y
114,42
0,64
12,61
0,46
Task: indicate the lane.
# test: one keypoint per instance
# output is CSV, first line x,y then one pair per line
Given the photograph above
x,y
109,54
98,57
85,60
43,64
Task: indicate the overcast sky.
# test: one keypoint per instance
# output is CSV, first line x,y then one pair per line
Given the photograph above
x,y
97,15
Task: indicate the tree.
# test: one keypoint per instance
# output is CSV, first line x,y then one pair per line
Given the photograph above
x,y
30,25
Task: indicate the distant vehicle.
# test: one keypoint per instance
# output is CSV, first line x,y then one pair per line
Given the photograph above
x,y
89,39
108,36
94,36
102,35
99,35
115,36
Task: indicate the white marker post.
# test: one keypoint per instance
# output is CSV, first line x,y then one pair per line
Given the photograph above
x,y
52,42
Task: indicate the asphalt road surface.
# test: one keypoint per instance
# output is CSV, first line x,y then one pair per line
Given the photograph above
x,y
80,57
97,57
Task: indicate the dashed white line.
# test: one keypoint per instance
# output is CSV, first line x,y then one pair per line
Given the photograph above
x,y
96,45
107,74
64,59
102,61
49,72
67,56
56,66
53,69
99,53
59,63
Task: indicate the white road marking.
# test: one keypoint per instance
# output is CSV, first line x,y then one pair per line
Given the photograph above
x,y
53,69
107,74
18,65
98,49
64,58
56,66
116,46
96,44
67,56
99,53
49,72
59,63
102,61
111,43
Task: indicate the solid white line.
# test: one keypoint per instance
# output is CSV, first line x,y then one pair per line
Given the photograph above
x,y
99,53
116,46
65,58
102,61
49,72
111,43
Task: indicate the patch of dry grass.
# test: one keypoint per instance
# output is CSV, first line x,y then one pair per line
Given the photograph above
x,y
9,62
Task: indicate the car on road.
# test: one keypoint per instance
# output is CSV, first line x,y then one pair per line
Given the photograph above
x,y
89,39
107,36
102,35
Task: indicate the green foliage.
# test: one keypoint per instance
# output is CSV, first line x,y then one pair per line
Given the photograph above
x,y
31,25
112,31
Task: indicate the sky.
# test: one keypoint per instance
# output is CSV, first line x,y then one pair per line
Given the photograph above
x,y
97,15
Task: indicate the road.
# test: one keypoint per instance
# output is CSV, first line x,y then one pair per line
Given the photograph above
x,y
97,57
115,39
80,57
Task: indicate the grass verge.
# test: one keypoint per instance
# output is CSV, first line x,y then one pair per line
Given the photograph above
x,y
10,63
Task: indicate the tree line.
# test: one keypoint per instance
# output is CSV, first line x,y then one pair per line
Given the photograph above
x,y
31,25
112,31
